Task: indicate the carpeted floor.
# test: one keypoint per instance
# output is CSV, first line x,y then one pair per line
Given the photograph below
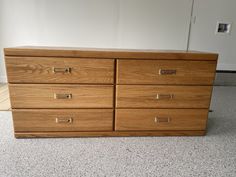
x,y
213,155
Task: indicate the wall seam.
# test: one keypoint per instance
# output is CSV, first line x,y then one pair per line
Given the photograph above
x,y
190,25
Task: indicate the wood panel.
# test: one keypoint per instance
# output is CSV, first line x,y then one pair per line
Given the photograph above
x,y
43,96
71,92
161,119
165,72
59,70
108,133
108,53
63,120
4,98
146,96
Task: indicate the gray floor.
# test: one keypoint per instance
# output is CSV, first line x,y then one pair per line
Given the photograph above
x,y
213,155
225,79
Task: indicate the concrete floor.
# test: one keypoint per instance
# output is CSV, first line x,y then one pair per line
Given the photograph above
x,y
213,155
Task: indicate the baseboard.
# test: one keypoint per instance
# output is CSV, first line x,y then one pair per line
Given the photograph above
x,y
3,79
226,71
225,78
226,67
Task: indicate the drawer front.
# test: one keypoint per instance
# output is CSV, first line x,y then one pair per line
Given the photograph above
x,y
59,70
161,119
63,120
129,96
60,96
165,72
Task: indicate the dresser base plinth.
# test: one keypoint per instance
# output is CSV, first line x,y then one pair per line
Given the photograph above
x,y
108,134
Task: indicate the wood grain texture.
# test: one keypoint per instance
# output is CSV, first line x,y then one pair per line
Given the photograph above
x,y
108,133
147,72
145,96
42,96
145,119
108,53
45,120
88,83
40,70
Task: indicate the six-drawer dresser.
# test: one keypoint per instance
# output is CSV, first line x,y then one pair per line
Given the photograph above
x,y
74,92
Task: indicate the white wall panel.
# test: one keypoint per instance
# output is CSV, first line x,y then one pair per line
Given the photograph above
x,y
154,24
203,36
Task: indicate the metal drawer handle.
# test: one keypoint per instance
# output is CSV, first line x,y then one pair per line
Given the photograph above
x,y
61,70
62,120
164,96
162,119
167,71
62,96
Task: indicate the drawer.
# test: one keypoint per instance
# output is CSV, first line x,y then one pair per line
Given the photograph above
x,y
165,72
59,70
63,120
146,96
60,96
161,119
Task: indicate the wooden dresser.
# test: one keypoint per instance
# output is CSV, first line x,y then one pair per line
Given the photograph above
x,y
73,92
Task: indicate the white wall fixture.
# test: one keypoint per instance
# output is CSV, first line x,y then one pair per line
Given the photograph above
x,y
223,28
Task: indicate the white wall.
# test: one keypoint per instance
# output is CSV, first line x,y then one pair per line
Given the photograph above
x,y
13,18
157,24
2,69
203,36
154,24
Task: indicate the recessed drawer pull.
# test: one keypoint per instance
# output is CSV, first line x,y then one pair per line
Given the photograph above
x,y
61,70
167,71
62,96
64,120
162,119
164,96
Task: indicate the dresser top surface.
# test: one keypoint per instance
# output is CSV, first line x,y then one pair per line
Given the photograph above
x,y
39,51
